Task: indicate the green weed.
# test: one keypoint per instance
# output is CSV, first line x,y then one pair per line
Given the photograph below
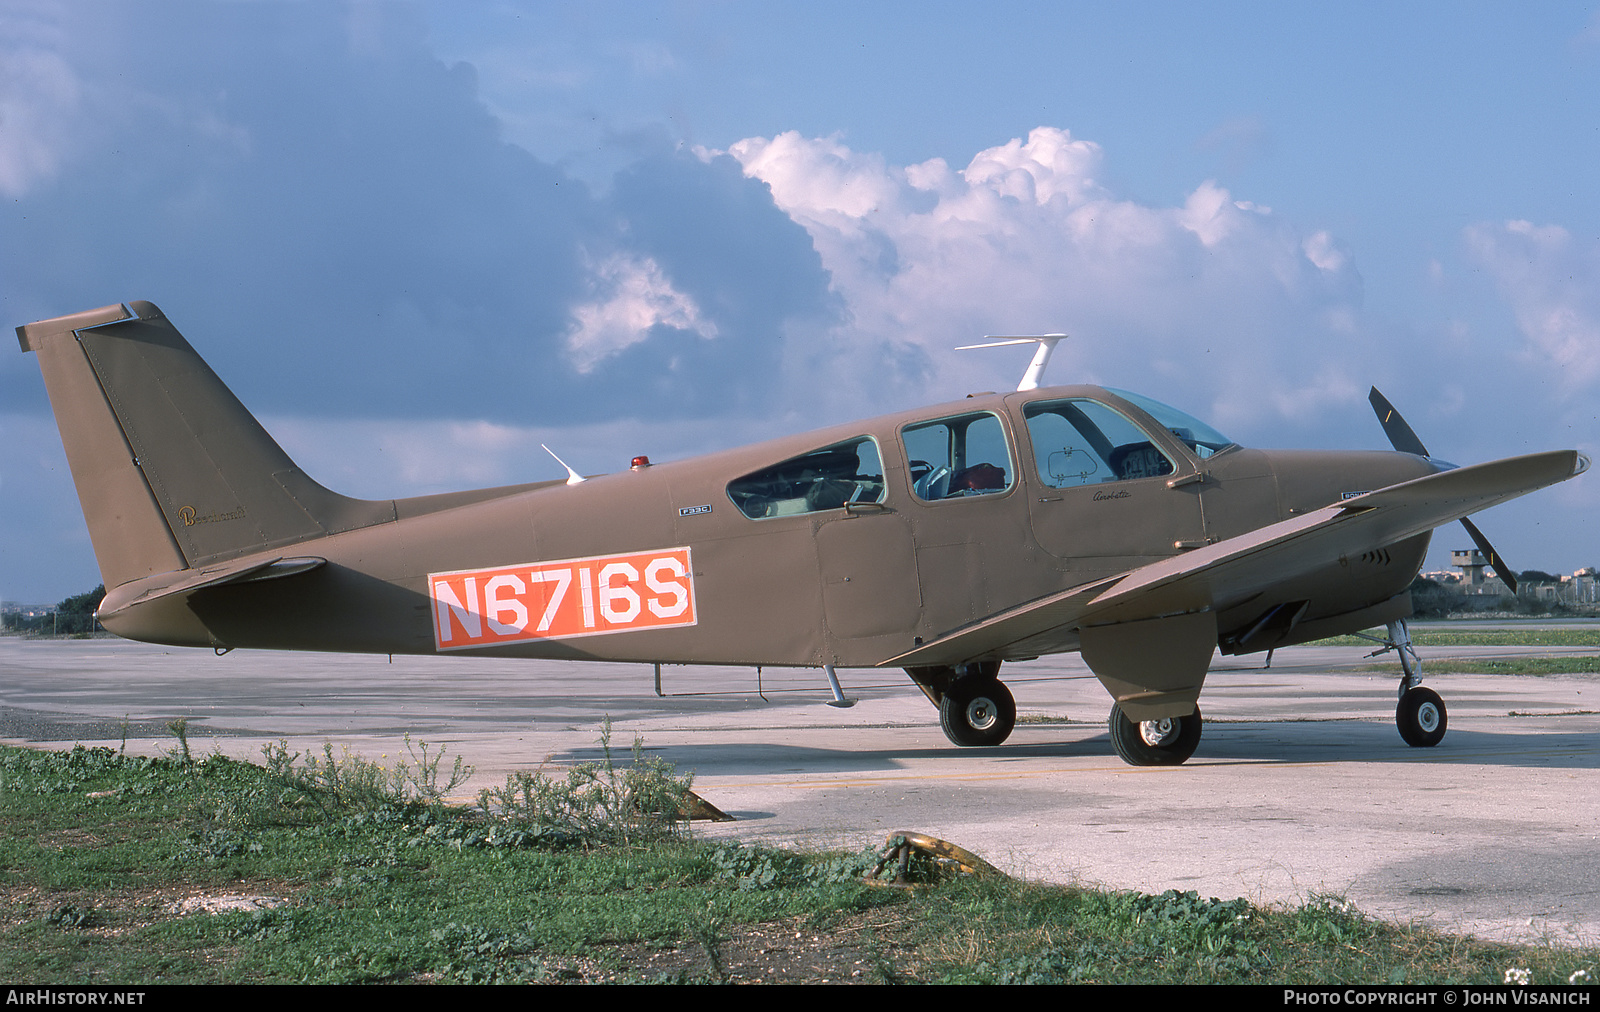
x,y
595,803
180,730
761,868
350,781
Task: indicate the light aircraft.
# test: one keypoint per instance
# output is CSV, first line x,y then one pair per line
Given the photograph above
x,y
944,541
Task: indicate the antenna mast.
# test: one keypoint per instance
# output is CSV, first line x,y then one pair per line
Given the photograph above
x,y
1041,357
573,477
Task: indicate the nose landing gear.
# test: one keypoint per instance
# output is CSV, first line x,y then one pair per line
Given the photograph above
x,y
1420,716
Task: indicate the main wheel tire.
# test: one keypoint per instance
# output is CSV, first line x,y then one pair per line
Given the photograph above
x,y
1167,742
1421,718
978,711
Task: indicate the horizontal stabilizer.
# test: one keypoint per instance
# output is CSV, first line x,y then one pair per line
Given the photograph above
x,y
187,581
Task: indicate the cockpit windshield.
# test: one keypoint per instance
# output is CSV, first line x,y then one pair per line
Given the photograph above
x,y
1192,432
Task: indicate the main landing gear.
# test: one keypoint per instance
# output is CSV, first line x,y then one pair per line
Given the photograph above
x,y
1421,715
1169,741
975,707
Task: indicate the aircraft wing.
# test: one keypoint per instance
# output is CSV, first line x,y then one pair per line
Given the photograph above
x,y
1213,577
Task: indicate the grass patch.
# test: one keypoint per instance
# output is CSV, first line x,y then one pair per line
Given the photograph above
x,y
1478,638
587,877
1508,666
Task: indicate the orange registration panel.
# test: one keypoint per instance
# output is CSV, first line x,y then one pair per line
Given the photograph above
x,y
563,599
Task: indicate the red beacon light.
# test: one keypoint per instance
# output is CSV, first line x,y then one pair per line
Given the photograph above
x,y
640,461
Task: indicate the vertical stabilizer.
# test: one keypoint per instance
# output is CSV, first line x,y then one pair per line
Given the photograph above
x,y
171,470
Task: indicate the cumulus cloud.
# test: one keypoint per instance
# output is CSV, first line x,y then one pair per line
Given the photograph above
x,y
632,296
1217,298
1552,283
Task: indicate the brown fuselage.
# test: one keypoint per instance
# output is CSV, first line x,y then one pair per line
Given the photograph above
x,y
851,586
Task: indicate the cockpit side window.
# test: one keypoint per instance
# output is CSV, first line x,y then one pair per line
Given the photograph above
x,y
956,457
824,479
1083,442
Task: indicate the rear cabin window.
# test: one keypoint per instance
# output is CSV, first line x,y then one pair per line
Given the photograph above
x,y
825,479
1084,442
957,457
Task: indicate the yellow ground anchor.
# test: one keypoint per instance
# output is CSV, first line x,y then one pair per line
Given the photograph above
x,y
946,857
698,809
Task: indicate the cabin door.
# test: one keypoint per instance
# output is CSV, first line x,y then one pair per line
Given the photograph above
x,y
868,565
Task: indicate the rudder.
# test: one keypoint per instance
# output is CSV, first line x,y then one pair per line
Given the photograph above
x,y
172,471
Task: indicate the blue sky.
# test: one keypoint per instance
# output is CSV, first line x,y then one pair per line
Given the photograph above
x,y
420,239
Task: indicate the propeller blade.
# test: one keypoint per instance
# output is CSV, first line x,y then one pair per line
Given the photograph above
x,y
1404,439
1401,436
1500,568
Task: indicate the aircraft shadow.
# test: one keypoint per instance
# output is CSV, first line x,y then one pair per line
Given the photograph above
x,y
1227,744
1364,741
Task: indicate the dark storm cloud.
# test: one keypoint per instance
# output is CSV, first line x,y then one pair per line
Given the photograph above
x,y
331,216
751,268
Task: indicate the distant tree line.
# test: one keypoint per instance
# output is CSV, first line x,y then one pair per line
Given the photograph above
x,y
1537,576
72,616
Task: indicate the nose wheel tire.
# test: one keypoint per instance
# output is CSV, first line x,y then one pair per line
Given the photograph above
x,y
977,711
1166,742
1421,718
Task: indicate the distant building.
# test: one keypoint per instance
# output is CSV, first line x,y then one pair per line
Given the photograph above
x,y
25,610
1474,582
1581,587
